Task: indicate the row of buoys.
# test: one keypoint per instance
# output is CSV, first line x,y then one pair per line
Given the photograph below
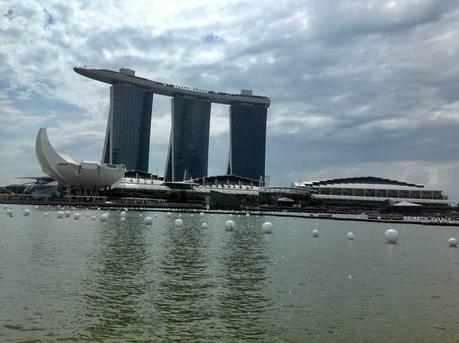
x,y
391,235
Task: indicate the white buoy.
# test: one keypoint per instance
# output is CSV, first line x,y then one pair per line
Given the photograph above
x,y
5,207
76,216
67,213
267,227
147,220
26,212
140,215
201,214
93,218
230,225
9,212
315,233
60,214
452,242
122,219
156,215
103,217
123,214
169,214
178,222
36,207
391,236
45,214
247,214
350,236
87,215
204,226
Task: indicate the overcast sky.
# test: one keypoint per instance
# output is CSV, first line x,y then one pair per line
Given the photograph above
x,y
357,87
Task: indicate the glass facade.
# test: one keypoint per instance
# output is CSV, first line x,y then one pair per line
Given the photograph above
x,y
247,140
189,141
127,140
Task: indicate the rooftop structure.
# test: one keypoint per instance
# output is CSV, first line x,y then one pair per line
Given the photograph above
x,y
128,76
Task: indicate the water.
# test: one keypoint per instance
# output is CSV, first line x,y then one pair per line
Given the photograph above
x,y
86,281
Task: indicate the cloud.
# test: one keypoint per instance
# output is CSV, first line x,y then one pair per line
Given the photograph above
x,y
358,87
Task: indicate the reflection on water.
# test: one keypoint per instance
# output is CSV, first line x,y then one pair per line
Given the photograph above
x,y
183,294
116,283
242,300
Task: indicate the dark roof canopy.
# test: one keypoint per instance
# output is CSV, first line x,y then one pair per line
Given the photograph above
x,y
366,180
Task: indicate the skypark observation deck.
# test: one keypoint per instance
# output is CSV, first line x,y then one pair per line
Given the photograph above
x,y
128,76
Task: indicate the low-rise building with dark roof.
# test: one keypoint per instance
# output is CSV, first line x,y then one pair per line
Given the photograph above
x,y
371,189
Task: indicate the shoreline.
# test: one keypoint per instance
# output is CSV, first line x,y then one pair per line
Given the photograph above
x,y
190,208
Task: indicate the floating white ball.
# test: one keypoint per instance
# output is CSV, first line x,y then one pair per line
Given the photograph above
x,y
315,233
123,214
247,214
267,227
201,214
103,217
350,236
67,213
87,215
169,214
5,207
122,219
147,220
26,212
178,222
230,225
76,216
204,226
60,214
45,214
452,242
9,212
391,236
93,218
140,215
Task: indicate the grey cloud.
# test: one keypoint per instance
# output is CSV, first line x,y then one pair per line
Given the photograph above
x,y
351,82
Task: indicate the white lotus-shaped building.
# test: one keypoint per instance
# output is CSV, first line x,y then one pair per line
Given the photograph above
x,y
62,168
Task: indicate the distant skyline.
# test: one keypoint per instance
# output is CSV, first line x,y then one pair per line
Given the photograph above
x,y
357,88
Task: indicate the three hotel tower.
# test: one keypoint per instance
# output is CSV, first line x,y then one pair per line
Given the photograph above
x,y
127,139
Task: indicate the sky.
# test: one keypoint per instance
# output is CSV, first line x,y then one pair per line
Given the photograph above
x,y
357,88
